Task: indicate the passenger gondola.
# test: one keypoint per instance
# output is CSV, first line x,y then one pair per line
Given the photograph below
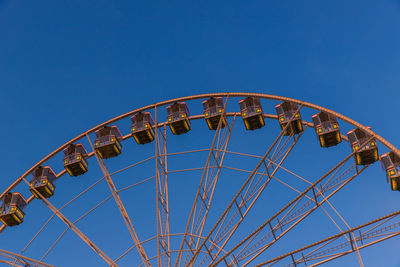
x,y
142,127
178,118
327,129
213,112
252,114
391,162
43,181
11,209
287,113
75,156
108,142
366,154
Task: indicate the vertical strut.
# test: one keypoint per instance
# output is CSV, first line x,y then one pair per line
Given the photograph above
x,y
207,185
247,187
162,205
121,206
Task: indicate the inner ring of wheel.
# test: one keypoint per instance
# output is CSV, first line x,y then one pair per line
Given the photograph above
x,y
201,96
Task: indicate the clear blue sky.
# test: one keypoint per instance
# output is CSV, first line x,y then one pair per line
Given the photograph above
x,y
66,66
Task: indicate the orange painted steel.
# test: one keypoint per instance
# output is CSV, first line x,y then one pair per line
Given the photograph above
x,y
163,124
85,239
121,207
162,203
292,204
203,195
23,259
247,184
202,96
333,237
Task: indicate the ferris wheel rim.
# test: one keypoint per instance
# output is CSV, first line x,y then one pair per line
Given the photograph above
x,y
202,96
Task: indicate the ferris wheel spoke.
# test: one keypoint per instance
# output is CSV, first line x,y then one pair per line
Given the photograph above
x,y
218,246
290,220
73,227
249,199
249,192
205,192
162,206
90,211
76,197
214,177
95,207
338,245
54,214
121,206
106,199
312,199
294,216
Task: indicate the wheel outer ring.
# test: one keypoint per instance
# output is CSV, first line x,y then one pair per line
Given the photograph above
x,y
201,96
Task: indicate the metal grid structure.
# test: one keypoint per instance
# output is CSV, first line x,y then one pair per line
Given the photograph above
x,y
200,246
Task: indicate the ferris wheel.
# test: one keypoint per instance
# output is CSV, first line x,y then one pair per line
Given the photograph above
x,y
163,186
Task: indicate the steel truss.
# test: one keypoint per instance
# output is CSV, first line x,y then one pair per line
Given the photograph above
x,y
213,245
205,192
342,243
163,248
248,194
294,212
